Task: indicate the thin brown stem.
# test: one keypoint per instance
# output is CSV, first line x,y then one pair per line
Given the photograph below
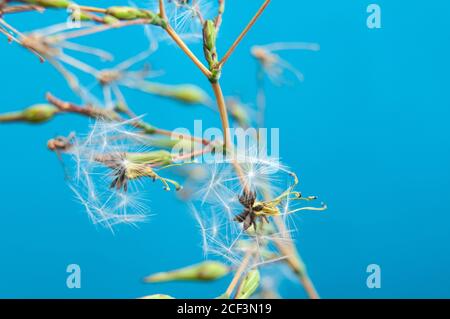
x,y
223,114
171,32
181,136
21,8
162,10
101,28
243,33
93,112
239,272
220,13
194,154
287,248
91,9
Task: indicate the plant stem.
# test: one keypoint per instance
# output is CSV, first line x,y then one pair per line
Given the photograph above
x,y
21,8
194,154
162,10
243,33
223,114
288,249
239,273
93,112
171,32
101,28
183,136
11,117
91,9
220,13
309,287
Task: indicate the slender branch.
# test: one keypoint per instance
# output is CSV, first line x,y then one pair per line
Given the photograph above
x,y
162,10
243,33
223,114
288,249
20,9
219,18
93,112
91,9
194,154
183,136
239,273
171,32
101,28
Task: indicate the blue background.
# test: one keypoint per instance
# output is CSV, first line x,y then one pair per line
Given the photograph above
x,y
367,131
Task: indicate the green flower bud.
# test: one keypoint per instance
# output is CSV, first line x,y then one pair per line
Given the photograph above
x,y
158,296
169,143
238,113
184,93
126,13
249,285
209,48
209,35
39,113
107,19
80,16
160,157
206,271
49,3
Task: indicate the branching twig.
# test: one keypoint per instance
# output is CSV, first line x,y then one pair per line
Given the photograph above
x,y
244,33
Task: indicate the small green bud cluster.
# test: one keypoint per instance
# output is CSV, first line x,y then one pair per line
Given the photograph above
x,y
209,48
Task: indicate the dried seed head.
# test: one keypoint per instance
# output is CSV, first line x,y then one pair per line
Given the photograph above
x,y
132,166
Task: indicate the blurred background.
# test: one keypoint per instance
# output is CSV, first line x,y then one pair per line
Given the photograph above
x,y
367,131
